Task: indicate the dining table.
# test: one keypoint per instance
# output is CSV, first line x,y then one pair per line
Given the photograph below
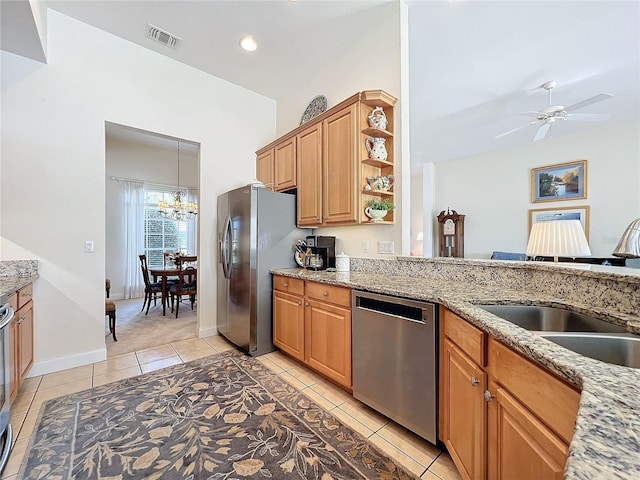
x,y
165,273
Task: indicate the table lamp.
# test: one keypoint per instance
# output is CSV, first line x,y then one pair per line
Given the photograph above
x,y
558,238
629,244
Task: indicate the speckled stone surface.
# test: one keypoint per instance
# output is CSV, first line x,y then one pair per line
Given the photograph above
x,y
606,442
15,274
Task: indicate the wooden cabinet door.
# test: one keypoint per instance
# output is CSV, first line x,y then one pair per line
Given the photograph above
x,y
521,446
463,409
25,336
265,169
309,168
328,340
288,323
339,154
285,164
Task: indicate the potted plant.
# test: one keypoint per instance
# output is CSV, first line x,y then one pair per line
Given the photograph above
x,y
378,208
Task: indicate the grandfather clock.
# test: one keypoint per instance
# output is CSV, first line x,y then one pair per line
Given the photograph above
x,y
451,234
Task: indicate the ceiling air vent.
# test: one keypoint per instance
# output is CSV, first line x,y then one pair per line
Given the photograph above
x,y
162,36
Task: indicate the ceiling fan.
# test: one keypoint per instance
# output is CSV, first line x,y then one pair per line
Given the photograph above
x,y
547,116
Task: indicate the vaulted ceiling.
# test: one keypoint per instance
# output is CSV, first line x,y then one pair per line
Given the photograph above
x,y
474,65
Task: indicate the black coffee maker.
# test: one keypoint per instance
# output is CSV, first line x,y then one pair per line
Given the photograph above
x,y
323,249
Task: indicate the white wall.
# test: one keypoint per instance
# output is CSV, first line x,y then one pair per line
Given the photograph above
x,y
494,190
369,61
53,167
154,165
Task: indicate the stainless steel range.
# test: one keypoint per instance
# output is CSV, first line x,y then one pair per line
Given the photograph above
x,y
395,359
6,433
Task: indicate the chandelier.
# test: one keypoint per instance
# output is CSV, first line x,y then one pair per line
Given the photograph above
x,y
180,208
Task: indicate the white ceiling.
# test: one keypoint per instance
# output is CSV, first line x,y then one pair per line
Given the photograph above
x,y
474,65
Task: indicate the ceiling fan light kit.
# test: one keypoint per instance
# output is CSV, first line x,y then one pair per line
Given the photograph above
x,y
551,113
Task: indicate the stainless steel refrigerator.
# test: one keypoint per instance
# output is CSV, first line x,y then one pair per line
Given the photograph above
x,y
256,233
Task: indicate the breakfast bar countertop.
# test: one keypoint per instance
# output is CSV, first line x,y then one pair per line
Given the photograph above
x,y
606,441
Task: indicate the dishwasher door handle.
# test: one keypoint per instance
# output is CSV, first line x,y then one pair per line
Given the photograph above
x,y
424,320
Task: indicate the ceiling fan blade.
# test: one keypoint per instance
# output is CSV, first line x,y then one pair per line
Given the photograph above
x,y
531,114
542,131
588,101
514,130
588,117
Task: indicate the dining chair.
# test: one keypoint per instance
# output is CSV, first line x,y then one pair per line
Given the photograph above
x,y
151,290
187,261
186,285
110,310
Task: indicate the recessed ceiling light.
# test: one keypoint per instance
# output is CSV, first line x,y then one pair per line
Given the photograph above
x,y
248,43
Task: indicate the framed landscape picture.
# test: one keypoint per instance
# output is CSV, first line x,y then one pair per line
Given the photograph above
x,y
552,214
565,181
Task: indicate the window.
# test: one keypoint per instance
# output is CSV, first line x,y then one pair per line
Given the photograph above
x,y
161,234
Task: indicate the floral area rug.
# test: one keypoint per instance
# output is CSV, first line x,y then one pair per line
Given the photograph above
x,y
226,416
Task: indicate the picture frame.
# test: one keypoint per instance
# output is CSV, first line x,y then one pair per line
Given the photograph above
x,y
563,181
580,212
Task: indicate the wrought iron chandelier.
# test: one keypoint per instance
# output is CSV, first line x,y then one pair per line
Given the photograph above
x,y
179,209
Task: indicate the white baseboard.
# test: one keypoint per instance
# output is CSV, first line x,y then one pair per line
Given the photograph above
x,y
207,332
63,363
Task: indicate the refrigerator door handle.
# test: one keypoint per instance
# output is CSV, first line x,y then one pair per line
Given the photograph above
x,y
225,254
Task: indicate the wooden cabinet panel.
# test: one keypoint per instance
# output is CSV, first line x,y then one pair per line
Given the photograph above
x,y
25,294
328,340
285,164
555,402
13,349
288,284
329,293
25,334
520,445
462,409
309,170
340,150
288,323
470,339
265,168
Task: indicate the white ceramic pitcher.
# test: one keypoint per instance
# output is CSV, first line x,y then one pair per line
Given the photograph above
x,y
376,148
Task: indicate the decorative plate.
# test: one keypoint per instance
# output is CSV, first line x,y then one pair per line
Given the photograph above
x,y
316,106
299,259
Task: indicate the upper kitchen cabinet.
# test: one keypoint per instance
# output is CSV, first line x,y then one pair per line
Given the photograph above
x,y
265,168
340,161
285,164
276,164
309,161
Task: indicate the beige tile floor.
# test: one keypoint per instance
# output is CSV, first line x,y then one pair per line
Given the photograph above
x,y
414,453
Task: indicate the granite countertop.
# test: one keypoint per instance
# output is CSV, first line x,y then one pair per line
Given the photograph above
x,y
606,442
12,284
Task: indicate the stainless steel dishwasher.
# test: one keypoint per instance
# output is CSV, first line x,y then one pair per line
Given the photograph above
x,y
395,359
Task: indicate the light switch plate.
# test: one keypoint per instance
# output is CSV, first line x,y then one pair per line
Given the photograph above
x,y
88,246
385,246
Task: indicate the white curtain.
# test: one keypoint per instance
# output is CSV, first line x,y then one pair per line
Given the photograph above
x,y
133,215
192,226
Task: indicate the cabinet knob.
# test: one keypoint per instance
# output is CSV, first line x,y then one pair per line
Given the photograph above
x,y
487,396
325,294
21,319
285,284
306,304
474,381
299,302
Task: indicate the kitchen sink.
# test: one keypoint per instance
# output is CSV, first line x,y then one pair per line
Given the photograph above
x,y
551,319
619,349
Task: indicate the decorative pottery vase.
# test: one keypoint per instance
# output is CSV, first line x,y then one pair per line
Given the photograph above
x,y
381,183
377,119
375,215
376,148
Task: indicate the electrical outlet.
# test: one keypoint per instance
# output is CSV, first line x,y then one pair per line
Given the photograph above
x,y
385,246
365,246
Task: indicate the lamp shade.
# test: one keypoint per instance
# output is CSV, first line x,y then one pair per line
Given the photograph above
x,y
558,238
629,244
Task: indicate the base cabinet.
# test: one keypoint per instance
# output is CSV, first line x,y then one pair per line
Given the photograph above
x,y
312,323
502,416
21,338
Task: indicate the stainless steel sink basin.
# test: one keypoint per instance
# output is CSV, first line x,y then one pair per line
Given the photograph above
x,y
551,319
619,349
